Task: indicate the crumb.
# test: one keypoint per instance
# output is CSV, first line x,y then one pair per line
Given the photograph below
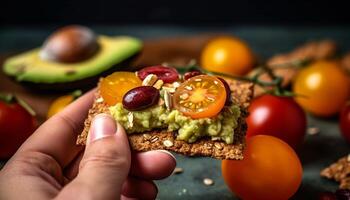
x,y
208,181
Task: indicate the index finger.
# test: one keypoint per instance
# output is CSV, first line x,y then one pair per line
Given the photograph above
x,y
57,136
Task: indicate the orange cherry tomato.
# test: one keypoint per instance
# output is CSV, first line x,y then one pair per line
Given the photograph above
x,y
227,55
114,86
323,88
270,170
200,96
61,102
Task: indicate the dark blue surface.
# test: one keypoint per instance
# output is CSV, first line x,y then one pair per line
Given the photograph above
x,y
317,152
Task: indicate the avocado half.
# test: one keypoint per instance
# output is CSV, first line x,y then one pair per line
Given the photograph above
x,y
113,54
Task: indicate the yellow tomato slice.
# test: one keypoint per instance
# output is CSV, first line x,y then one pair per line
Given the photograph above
x,y
114,86
200,97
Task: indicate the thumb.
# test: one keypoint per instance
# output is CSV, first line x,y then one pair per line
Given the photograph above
x,y
106,161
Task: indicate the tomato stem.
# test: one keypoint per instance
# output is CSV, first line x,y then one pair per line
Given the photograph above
x,y
26,106
10,98
275,83
76,94
7,98
292,64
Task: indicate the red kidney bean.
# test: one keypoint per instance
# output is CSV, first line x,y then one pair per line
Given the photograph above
x,y
191,74
166,74
140,98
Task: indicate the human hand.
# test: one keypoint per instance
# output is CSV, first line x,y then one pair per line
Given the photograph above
x,y
50,165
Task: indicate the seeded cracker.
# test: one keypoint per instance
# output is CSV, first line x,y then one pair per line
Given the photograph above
x,y
339,171
242,94
281,63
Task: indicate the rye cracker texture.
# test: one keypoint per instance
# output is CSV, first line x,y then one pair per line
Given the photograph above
x,y
339,171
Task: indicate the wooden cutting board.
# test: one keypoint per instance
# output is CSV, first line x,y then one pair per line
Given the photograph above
x,y
179,50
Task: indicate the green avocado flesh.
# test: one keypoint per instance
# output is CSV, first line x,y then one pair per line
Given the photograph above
x,y
190,130
30,67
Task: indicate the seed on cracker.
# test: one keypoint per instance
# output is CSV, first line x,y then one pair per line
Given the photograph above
x,y
169,89
149,80
154,138
147,136
130,119
99,100
168,100
158,84
176,84
168,143
218,145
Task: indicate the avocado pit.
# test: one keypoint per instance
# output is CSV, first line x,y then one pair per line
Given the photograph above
x,y
70,44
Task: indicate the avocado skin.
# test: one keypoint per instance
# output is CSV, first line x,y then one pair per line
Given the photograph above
x,y
83,84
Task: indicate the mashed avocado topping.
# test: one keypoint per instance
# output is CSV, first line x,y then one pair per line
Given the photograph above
x,y
220,127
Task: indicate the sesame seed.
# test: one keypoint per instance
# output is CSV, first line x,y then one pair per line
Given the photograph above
x,y
218,146
146,136
184,96
154,139
178,170
99,100
168,143
188,88
313,131
208,181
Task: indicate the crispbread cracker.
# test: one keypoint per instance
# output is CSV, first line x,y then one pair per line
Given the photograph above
x,y
339,171
282,65
160,139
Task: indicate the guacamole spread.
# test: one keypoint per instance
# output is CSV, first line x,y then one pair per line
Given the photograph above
x,y
220,127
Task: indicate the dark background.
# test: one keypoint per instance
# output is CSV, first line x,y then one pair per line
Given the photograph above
x,y
216,12
281,26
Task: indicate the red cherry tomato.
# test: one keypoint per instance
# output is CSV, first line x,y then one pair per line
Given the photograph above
x,y
345,122
166,74
278,116
270,170
16,125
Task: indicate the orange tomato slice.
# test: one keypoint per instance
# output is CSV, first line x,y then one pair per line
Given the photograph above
x,y
114,86
200,97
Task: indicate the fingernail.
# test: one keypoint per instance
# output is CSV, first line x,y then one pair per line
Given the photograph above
x,y
167,152
103,125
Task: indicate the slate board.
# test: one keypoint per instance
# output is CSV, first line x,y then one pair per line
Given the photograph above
x,y
179,44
